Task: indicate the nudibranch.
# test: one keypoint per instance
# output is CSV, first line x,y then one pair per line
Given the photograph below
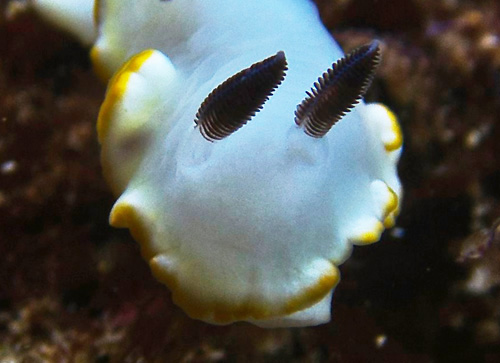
x,y
246,165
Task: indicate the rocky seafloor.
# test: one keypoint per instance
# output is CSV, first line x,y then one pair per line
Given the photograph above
x,y
72,289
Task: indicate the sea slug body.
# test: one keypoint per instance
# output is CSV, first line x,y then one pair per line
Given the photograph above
x,y
244,192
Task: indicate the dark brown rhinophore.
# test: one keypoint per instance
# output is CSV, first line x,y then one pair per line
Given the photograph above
x,y
338,90
235,101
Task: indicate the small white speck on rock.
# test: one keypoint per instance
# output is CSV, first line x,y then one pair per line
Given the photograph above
x,y
380,340
8,167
